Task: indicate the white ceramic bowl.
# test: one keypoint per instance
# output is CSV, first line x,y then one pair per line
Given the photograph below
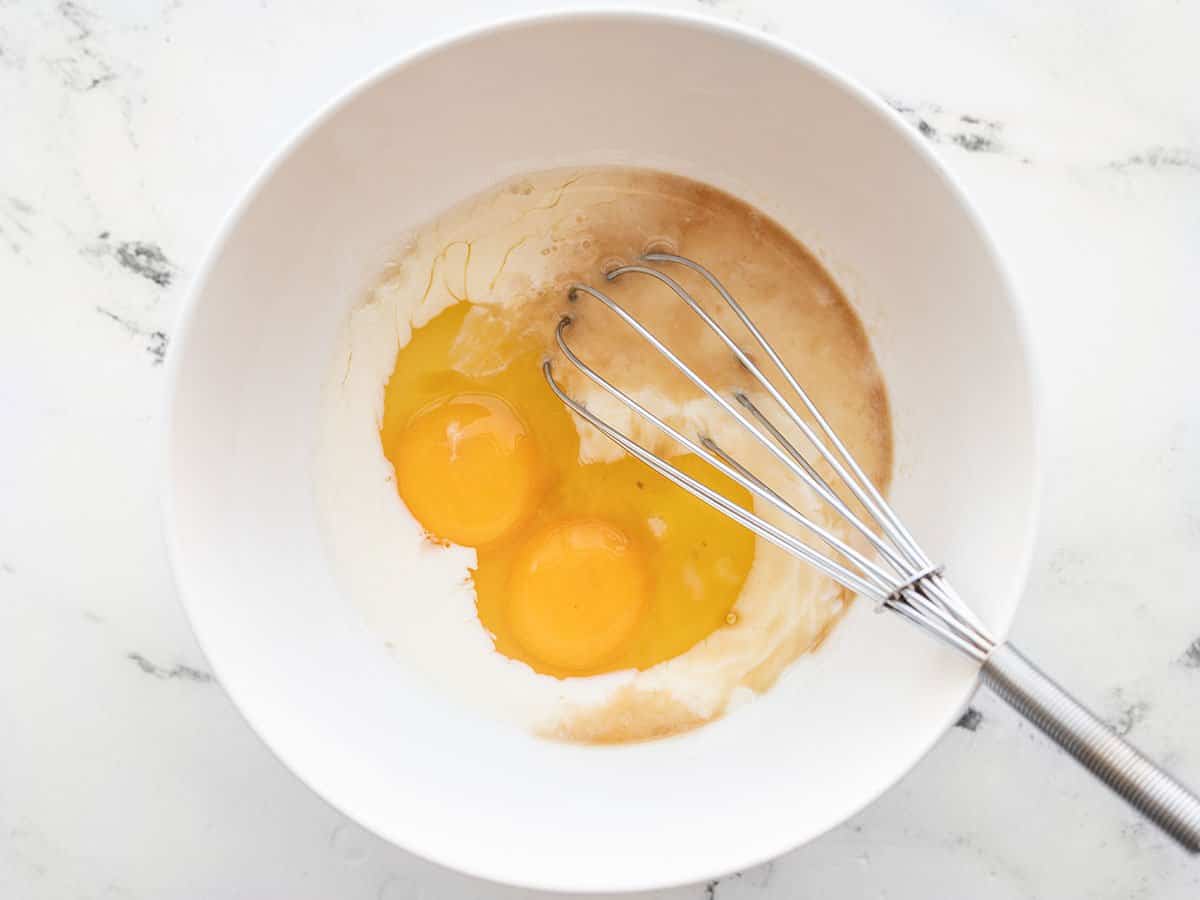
x,y
715,102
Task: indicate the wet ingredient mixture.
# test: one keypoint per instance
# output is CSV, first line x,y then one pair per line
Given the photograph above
x,y
513,554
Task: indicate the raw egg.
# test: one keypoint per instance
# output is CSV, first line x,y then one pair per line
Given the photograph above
x,y
576,592
467,468
581,567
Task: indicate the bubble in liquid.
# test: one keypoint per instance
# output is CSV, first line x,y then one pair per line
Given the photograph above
x,y
612,262
660,245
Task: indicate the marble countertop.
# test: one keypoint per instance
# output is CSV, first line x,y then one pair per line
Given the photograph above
x,y
128,128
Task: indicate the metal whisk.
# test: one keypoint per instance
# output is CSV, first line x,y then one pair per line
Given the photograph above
x,y
899,576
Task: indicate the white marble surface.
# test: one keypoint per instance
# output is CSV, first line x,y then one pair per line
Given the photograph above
x,y
126,130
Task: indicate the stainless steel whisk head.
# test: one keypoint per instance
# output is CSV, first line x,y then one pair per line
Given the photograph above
x,y
907,583
900,577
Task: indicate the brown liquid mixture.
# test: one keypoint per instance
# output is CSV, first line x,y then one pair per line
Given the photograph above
x,y
588,222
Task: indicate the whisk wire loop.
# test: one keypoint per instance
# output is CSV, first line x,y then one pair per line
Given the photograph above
x,y
862,487
910,588
814,480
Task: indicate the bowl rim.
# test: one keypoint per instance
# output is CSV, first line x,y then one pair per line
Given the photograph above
x,y
183,329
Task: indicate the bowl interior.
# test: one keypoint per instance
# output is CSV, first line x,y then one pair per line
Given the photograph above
x,y
711,102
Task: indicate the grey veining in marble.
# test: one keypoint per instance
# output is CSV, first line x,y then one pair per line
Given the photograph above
x,y
128,128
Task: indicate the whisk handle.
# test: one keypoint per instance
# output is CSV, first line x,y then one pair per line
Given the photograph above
x,y
1113,760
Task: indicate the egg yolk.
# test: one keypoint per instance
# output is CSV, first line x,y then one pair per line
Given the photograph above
x,y
581,568
466,469
577,591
